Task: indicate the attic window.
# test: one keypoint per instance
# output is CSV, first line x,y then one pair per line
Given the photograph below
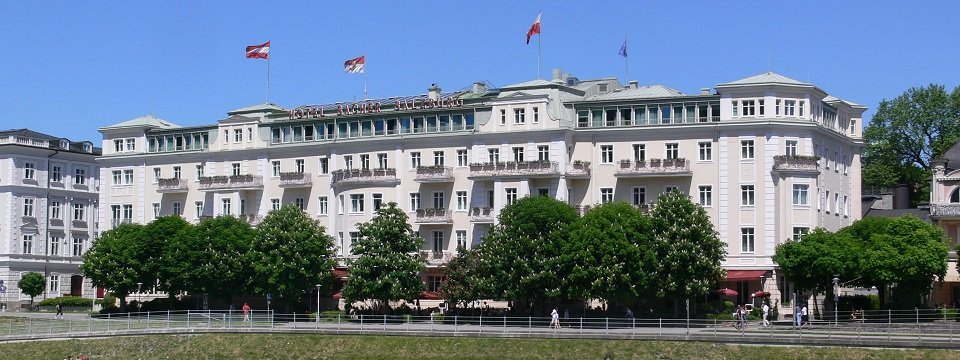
x,y
602,88
88,148
64,144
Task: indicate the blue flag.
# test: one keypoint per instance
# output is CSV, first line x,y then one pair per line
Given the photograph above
x,y
623,49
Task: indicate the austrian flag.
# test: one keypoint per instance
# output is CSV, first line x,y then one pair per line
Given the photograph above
x,y
261,51
535,29
354,65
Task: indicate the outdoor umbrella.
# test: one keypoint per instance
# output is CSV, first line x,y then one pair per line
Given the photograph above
x,y
727,292
761,294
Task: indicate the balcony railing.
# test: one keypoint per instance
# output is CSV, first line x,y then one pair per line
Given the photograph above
x,y
510,168
945,210
427,174
295,179
582,209
654,167
481,215
386,176
118,222
579,169
433,216
232,182
436,258
792,163
172,185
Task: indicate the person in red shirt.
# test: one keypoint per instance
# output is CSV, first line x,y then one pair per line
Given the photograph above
x,y
246,312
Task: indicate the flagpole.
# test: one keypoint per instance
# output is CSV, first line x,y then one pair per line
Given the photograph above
x,y
539,35
626,65
364,81
268,80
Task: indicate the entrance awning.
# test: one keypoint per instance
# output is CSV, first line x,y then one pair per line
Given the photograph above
x,y
741,275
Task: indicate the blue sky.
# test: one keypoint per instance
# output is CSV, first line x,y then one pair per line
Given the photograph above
x,y
68,69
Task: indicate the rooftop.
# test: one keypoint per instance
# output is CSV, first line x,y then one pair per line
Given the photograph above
x,y
148,121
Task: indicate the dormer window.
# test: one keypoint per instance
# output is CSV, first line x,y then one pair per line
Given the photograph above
x,y
87,148
64,144
602,88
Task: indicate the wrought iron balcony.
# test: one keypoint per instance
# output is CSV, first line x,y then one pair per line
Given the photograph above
x,y
118,222
793,163
481,215
385,177
945,210
434,174
436,258
433,216
654,168
295,179
515,169
579,169
232,182
172,185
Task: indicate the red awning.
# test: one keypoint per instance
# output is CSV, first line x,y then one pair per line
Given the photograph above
x,y
739,275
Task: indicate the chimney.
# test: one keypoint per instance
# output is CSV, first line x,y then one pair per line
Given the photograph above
x,y
705,91
557,76
633,84
901,196
479,88
433,92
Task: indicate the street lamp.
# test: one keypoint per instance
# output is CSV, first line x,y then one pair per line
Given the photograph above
x,y
836,297
139,286
318,302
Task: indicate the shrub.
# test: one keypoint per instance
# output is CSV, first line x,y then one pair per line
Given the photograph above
x,y
108,301
68,301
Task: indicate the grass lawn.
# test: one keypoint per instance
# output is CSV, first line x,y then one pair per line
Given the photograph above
x,y
256,346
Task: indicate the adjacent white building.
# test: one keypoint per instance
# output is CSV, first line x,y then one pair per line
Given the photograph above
x,y
48,211
769,157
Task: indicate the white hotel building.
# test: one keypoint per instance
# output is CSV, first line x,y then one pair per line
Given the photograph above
x,y
48,212
454,160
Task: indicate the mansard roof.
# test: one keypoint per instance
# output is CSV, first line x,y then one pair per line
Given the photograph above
x,y
766,78
147,121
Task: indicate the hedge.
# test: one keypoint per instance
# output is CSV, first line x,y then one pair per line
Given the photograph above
x,y
68,301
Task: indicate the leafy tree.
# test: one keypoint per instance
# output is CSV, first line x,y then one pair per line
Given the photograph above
x,y
32,283
170,266
908,132
113,261
812,262
610,255
216,257
464,279
290,254
688,248
521,254
388,263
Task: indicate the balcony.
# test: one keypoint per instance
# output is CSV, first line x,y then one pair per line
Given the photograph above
x,y
944,210
481,215
172,185
365,177
232,182
295,179
579,169
582,209
253,220
514,169
436,258
117,222
796,164
654,168
433,216
434,174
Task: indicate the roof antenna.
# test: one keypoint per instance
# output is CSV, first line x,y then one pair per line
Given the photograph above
x,y
769,62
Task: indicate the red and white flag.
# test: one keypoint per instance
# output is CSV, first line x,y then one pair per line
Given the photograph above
x,y
535,29
261,51
354,65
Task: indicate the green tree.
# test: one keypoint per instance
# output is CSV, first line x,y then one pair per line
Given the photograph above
x,y
388,263
167,260
688,248
610,255
32,283
464,279
908,132
290,254
217,257
113,261
812,262
521,253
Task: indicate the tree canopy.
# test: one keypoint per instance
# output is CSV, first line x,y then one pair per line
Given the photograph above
x,y
114,261
812,263
217,255
32,284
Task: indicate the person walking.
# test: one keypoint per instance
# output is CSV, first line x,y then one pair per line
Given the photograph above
x,y
766,313
796,316
60,311
555,319
246,312
805,318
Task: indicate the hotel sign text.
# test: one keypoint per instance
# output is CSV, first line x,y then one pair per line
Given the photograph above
x,y
374,107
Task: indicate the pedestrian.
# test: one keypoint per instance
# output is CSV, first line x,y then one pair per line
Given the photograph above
x,y
743,317
60,311
555,319
796,316
246,312
766,313
805,319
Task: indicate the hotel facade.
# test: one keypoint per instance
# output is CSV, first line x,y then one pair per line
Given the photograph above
x,y
769,158
48,212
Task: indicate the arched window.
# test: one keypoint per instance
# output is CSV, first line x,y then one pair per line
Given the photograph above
x,y
955,196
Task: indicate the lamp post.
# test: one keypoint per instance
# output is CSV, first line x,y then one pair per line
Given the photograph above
x,y
139,286
318,302
836,297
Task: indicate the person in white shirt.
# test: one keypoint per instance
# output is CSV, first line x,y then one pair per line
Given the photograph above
x,y
804,318
555,319
766,313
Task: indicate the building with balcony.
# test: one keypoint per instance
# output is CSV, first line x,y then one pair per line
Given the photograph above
x,y
945,212
769,158
48,212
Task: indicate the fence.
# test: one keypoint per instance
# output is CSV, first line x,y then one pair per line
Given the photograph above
x,y
924,329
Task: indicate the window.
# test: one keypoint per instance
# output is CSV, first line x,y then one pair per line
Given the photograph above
x,y
836,204
536,114
760,107
511,195
78,246
800,108
606,154
414,201
237,135
199,171
746,195
462,234
324,165
322,205
844,164
302,204
788,107
54,247
606,195
437,241
80,176
356,203
300,166
348,162
777,107
543,192
274,204
276,168
706,195
377,201
53,287
56,173
746,149
749,108
461,200
236,169
791,148
414,160
518,154
156,175
673,151
27,244
503,116
800,194
639,195
176,172
365,161
799,232
438,158
128,177
639,152
736,108
382,160
826,201
670,189
462,157
746,240
28,207
518,116
225,209
493,155
438,202
156,210
706,151
29,171
543,152
826,158
118,145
